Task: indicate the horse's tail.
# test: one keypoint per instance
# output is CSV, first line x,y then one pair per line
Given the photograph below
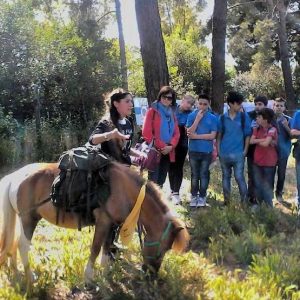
x,y
9,234
182,237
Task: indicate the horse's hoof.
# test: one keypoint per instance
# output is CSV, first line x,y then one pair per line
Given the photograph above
x,y
92,287
76,290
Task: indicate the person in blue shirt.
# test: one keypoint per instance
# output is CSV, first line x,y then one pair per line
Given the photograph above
x,y
201,130
284,144
176,168
295,132
234,131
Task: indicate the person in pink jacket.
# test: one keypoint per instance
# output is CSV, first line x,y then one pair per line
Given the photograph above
x,y
160,126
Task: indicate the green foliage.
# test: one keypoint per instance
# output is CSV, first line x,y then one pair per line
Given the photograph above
x,y
189,64
136,81
188,59
239,249
279,269
255,23
237,287
71,71
268,82
8,130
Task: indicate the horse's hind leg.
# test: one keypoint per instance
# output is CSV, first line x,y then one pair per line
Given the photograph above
x,y
28,226
102,227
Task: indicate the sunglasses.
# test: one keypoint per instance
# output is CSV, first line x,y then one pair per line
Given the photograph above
x,y
167,97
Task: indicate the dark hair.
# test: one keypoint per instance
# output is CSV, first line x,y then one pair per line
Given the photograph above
x,y
280,99
261,98
203,96
267,114
234,97
116,95
166,90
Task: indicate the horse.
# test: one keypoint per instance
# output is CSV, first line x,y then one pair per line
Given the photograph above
x,y
24,196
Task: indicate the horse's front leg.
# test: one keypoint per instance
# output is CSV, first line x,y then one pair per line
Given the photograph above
x,y
102,227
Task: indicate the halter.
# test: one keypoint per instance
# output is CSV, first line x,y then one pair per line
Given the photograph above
x,y
158,243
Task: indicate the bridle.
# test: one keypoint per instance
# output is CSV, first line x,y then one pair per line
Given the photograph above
x,y
158,243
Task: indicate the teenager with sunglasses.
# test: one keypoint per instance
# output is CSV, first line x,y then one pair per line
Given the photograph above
x,y
160,126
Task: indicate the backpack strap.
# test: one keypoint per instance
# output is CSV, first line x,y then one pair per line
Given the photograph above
x,y
243,118
222,119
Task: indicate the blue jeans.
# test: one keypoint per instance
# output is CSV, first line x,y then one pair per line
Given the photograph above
x,y
235,162
199,162
281,170
264,183
298,180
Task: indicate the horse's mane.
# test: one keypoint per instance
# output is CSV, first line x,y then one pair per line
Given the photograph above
x,y
181,234
151,187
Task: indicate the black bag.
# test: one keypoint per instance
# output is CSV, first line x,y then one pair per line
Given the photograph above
x,y
296,150
80,184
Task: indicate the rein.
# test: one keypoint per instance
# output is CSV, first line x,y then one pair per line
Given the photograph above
x,y
157,244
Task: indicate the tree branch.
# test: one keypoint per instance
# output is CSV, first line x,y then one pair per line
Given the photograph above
x,y
249,2
109,12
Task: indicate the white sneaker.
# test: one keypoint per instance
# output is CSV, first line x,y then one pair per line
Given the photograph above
x,y
175,199
201,202
194,201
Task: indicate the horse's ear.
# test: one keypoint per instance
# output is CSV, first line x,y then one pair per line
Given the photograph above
x,y
178,225
181,235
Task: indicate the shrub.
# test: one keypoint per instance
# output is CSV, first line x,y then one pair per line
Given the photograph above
x,y
279,268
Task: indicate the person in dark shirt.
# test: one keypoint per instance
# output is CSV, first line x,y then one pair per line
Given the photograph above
x,y
114,133
176,167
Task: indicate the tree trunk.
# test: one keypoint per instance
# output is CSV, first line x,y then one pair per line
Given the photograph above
x,y
152,47
284,55
122,46
280,22
37,113
218,54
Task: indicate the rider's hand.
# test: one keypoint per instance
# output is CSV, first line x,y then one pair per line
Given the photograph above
x,y
116,134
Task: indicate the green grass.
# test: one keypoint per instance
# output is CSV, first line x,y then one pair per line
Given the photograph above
x,y
235,253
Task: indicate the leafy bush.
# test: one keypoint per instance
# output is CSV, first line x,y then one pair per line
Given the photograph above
x,y
277,267
235,249
207,224
237,287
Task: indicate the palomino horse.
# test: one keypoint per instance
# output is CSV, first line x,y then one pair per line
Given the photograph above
x,y
22,205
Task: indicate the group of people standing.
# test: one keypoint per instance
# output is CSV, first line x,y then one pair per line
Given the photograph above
x,y
263,136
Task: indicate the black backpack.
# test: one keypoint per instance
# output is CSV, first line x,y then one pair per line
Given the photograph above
x,y
81,186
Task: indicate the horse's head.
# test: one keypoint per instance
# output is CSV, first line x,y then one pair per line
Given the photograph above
x,y
163,230
172,235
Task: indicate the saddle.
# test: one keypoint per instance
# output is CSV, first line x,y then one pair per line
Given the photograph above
x,y
81,185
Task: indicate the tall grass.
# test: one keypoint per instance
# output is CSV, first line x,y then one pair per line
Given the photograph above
x,y
235,253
